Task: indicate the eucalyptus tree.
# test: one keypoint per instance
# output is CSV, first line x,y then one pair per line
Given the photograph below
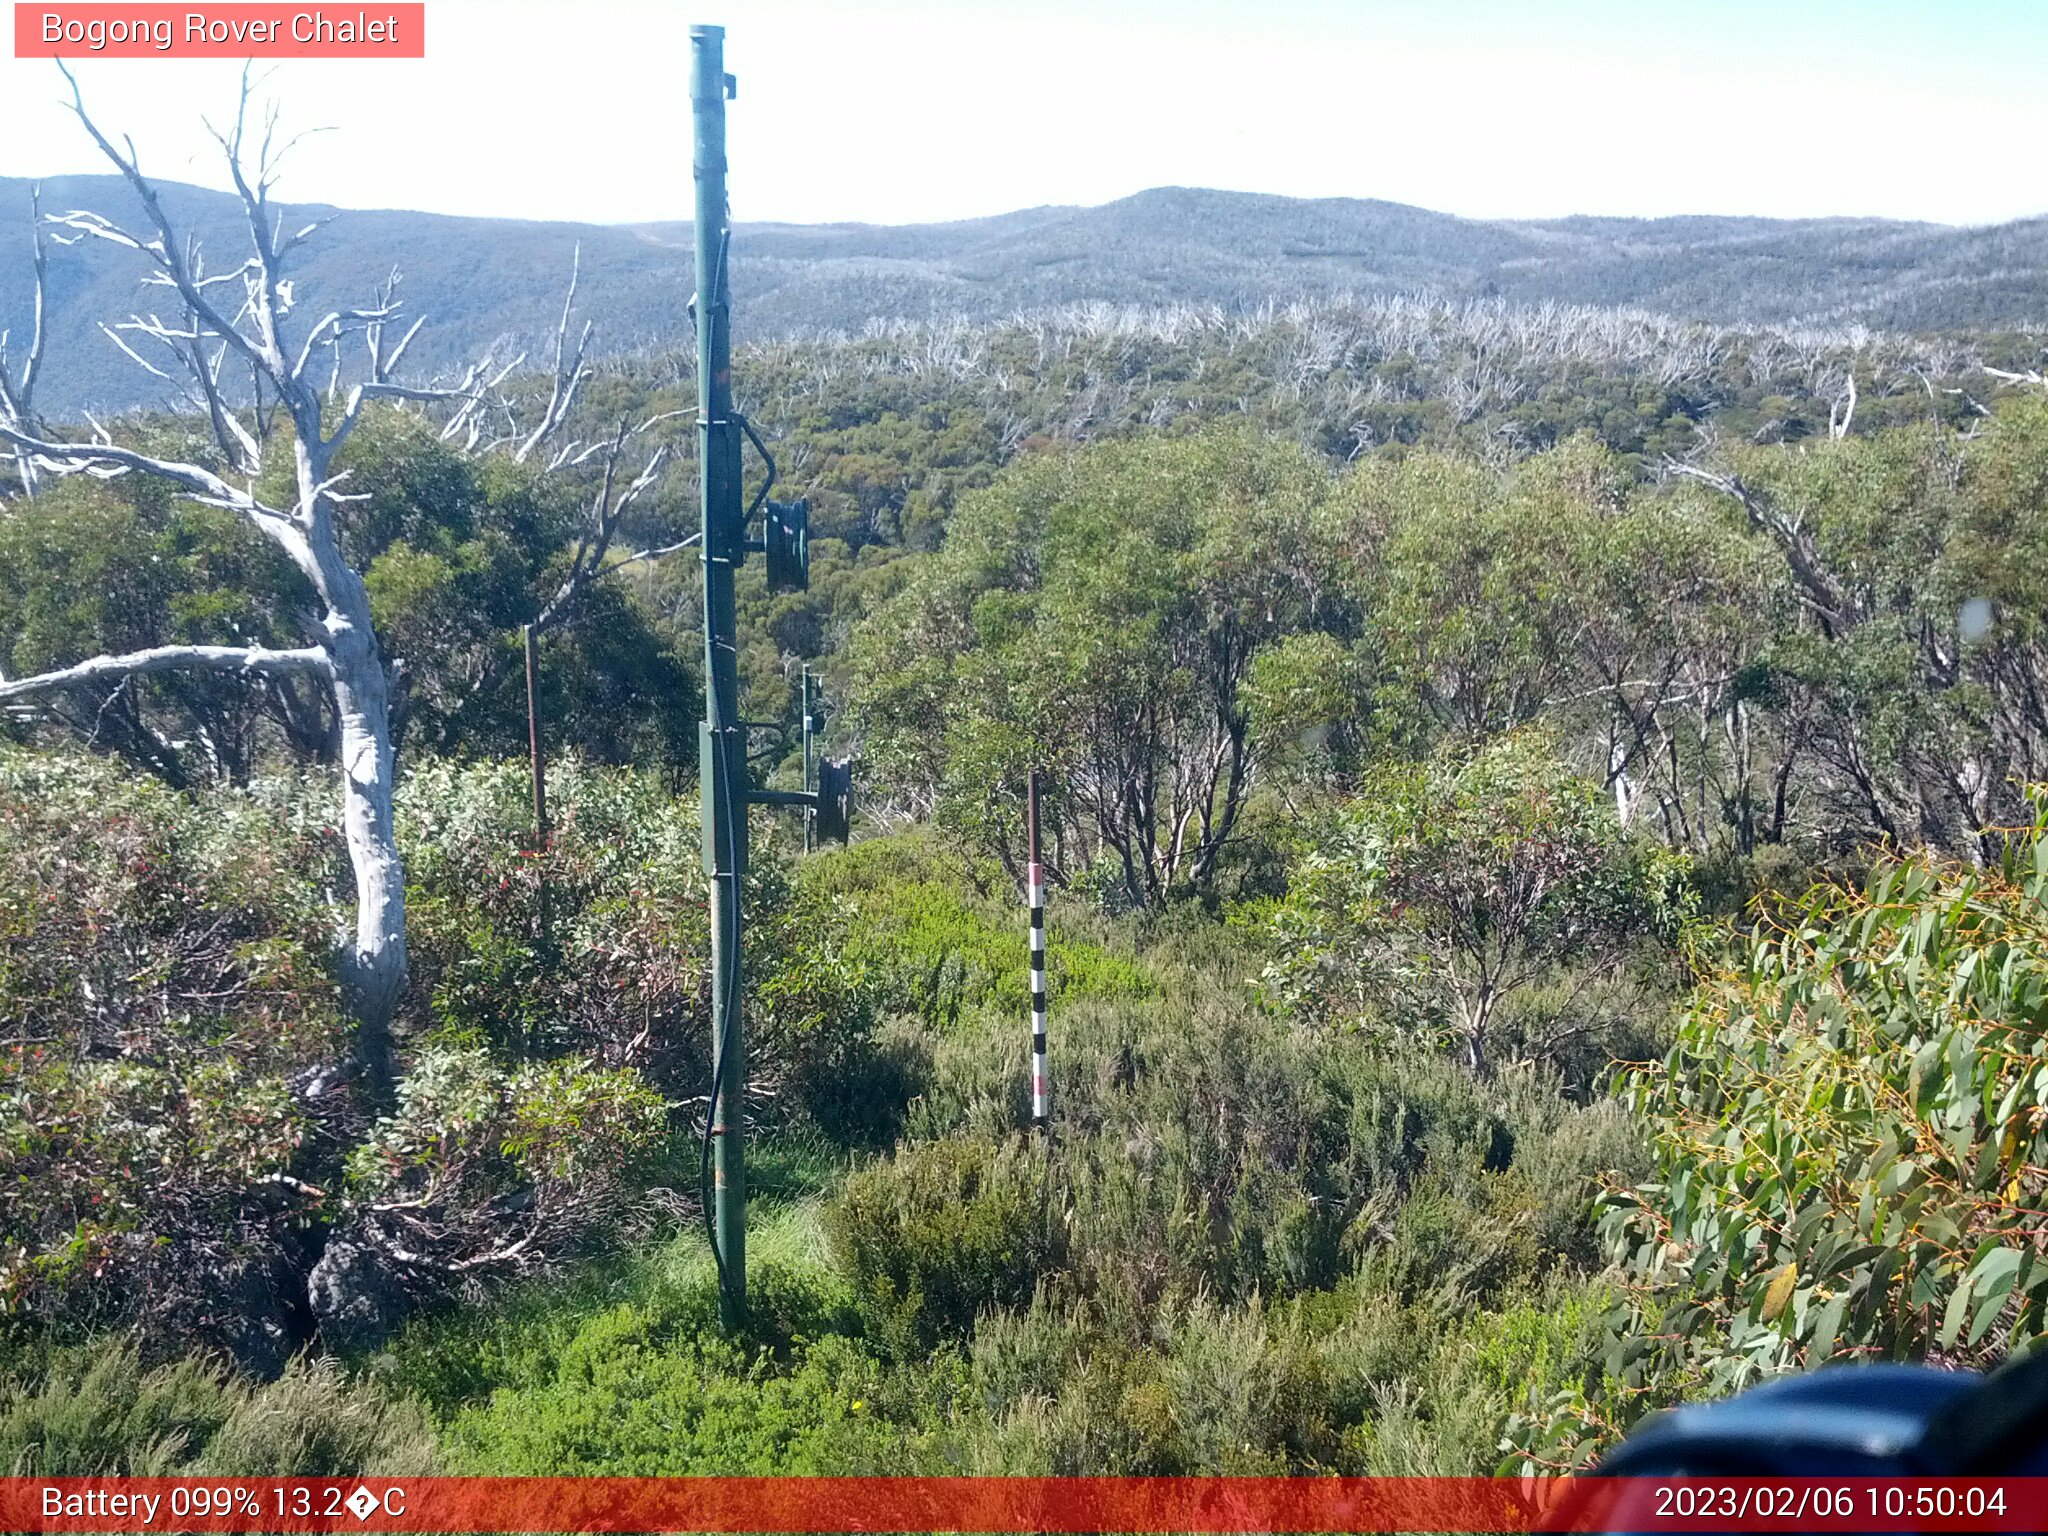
x,y
1911,660
238,352
1099,612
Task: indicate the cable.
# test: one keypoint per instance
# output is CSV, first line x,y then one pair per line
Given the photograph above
x,y
722,1043
726,1025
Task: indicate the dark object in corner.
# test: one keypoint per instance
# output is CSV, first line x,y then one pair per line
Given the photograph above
x,y
1858,1420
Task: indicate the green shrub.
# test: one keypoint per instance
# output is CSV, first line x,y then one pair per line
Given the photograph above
x,y
178,1129
478,1159
1207,1148
311,1422
1351,1380
624,947
652,1387
1849,1131
1249,1394
617,973
1849,1145
624,1407
96,1410
1448,890
944,937
166,990
938,1233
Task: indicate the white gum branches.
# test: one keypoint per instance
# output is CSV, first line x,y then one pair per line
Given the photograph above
x,y
232,348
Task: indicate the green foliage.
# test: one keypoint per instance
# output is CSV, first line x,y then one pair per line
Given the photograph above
x,y
1146,1338
1918,554
176,1134
161,966
556,1142
1257,1248
1351,1380
1479,580
458,552
1462,727
936,947
1096,612
646,1383
617,974
624,946
96,1411
1855,1119
1206,1148
1451,888
938,1233
96,567
634,1405
1848,1146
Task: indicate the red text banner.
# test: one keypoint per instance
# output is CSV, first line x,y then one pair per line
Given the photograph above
x,y
230,31
1021,1504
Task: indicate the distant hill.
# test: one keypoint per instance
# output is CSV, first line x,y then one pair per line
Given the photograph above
x,y
479,279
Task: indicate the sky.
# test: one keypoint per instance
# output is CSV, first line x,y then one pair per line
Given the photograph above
x,y
897,111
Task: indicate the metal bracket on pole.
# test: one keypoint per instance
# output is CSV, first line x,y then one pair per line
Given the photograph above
x,y
828,808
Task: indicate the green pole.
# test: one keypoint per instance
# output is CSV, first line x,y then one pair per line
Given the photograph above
x,y
722,742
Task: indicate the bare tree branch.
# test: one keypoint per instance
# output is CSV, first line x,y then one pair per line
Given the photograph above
x,y
608,508
243,315
1816,588
245,660
348,659
17,394
660,553
106,459
568,377
163,249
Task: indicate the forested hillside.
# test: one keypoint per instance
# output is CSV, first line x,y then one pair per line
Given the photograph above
x,y
1171,246
1543,815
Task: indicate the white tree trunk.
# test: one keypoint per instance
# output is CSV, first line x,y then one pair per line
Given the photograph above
x,y
374,968
347,655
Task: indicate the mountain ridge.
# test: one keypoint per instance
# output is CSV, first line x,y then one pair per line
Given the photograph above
x,y
482,280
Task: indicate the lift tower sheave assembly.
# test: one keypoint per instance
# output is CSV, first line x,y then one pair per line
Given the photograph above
x,y
722,757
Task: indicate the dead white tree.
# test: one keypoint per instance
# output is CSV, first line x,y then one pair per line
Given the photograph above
x,y
242,317
1842,409
18,389
244,312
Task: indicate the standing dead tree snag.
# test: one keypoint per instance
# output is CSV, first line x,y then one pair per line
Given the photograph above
x,y
218,326
18,385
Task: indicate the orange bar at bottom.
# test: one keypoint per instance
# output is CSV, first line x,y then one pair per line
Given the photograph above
x,y
1022,1504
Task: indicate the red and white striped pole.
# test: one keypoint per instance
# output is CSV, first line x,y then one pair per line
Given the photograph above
x,y
1035,898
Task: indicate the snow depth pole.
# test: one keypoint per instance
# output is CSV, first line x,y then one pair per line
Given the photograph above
x,y
721,744
536,747
810,773
1035,897
537,758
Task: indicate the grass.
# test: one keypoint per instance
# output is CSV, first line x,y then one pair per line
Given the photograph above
x,y
453,1359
